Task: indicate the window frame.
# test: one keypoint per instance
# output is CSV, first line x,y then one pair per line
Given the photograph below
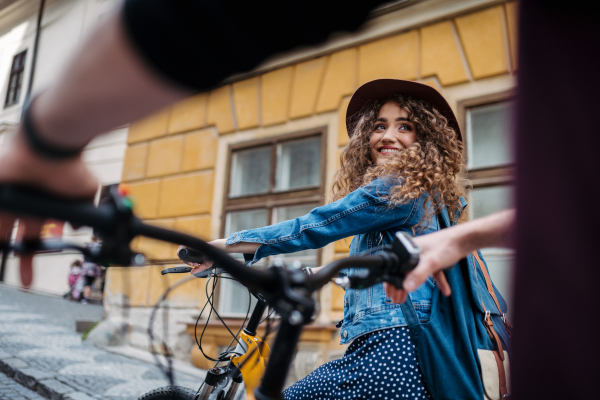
x,y
273,199
487,176
15,73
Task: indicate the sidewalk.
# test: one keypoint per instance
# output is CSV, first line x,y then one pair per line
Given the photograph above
x,y
40,349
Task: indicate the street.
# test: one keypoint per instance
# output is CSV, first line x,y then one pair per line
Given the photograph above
x,y
42,356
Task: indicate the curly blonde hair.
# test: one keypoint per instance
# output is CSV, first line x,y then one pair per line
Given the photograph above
x,y
432,164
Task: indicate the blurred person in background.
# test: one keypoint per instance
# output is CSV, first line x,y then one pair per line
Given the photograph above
x,y
90,271
75,281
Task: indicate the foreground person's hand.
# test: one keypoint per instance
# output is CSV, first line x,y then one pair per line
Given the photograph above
x,y
437,253
67,178
443,249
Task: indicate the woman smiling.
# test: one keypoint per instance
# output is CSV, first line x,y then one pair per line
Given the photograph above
x,y
400,169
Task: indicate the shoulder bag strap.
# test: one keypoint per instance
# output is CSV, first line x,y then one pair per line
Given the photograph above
x,y
490,288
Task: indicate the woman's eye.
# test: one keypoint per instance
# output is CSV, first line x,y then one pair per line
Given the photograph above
x,y
406,127
380,127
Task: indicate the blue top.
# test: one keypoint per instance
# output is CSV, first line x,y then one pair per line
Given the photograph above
x,y
366,215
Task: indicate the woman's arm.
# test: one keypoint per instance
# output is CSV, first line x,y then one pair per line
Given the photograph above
x,y
364,210
242,247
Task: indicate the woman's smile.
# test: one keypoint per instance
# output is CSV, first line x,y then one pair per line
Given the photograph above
x,y
393,132
388,150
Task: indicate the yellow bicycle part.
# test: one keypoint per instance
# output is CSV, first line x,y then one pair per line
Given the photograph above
x,y
252,364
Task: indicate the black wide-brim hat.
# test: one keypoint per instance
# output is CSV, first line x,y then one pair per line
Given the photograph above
x,y
381,89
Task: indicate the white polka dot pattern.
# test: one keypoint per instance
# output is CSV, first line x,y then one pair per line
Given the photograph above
x,y
379,365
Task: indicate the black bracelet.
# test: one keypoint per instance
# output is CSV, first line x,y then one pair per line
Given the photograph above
x,y
39,145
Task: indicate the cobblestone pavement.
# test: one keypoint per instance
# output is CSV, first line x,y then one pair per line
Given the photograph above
x,y
40,351
11,390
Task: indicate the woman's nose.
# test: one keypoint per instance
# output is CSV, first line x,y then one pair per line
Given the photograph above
x,y
389,136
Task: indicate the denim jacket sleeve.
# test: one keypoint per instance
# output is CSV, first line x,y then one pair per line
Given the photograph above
x,y
362,211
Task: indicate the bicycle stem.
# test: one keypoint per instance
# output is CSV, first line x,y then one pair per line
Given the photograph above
x,y
278,367
255,318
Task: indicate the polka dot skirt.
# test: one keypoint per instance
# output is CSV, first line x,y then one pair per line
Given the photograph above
x,y
379,365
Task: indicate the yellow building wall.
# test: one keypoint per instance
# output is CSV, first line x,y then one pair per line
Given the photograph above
x,y
170,162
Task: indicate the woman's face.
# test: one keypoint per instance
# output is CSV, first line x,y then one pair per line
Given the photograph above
x,y
393,132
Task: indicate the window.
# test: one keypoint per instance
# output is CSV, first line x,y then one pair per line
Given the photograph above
x,y
488,121
15,79
270,181
488,131
297,166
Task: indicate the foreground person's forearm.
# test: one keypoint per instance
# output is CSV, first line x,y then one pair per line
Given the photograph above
x,y
108,85
491,231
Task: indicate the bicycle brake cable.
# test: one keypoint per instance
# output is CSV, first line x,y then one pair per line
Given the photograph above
x,y
222,356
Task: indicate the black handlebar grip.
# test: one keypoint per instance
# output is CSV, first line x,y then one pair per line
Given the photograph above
x,y
190,255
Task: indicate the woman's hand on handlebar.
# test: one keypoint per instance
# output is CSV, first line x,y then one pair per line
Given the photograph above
x,y
242,247
197,267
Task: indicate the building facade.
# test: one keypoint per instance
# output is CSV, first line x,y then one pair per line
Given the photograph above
x,y
264,146
63,26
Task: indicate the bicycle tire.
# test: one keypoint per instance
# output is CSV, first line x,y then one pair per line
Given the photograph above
x,y
170,393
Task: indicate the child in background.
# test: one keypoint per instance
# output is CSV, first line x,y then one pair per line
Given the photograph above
x,y
74,280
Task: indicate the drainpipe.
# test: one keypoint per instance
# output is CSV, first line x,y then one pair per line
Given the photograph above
x,y
5,252
36,43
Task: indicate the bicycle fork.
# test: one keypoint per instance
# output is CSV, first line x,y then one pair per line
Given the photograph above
x,y
248,367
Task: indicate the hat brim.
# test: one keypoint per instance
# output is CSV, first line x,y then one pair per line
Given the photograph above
x,y
380,89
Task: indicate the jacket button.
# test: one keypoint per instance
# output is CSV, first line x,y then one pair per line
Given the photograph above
x,y
345,334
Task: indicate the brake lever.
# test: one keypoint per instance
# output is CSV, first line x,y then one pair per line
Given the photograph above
x,y
175,270
202,274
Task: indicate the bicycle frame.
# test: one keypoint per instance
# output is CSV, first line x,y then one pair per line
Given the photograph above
x,y
248,367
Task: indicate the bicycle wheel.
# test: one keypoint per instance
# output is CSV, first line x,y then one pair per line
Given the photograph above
x,y
170,393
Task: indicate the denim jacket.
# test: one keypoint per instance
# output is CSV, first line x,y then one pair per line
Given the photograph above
x,y
364,214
